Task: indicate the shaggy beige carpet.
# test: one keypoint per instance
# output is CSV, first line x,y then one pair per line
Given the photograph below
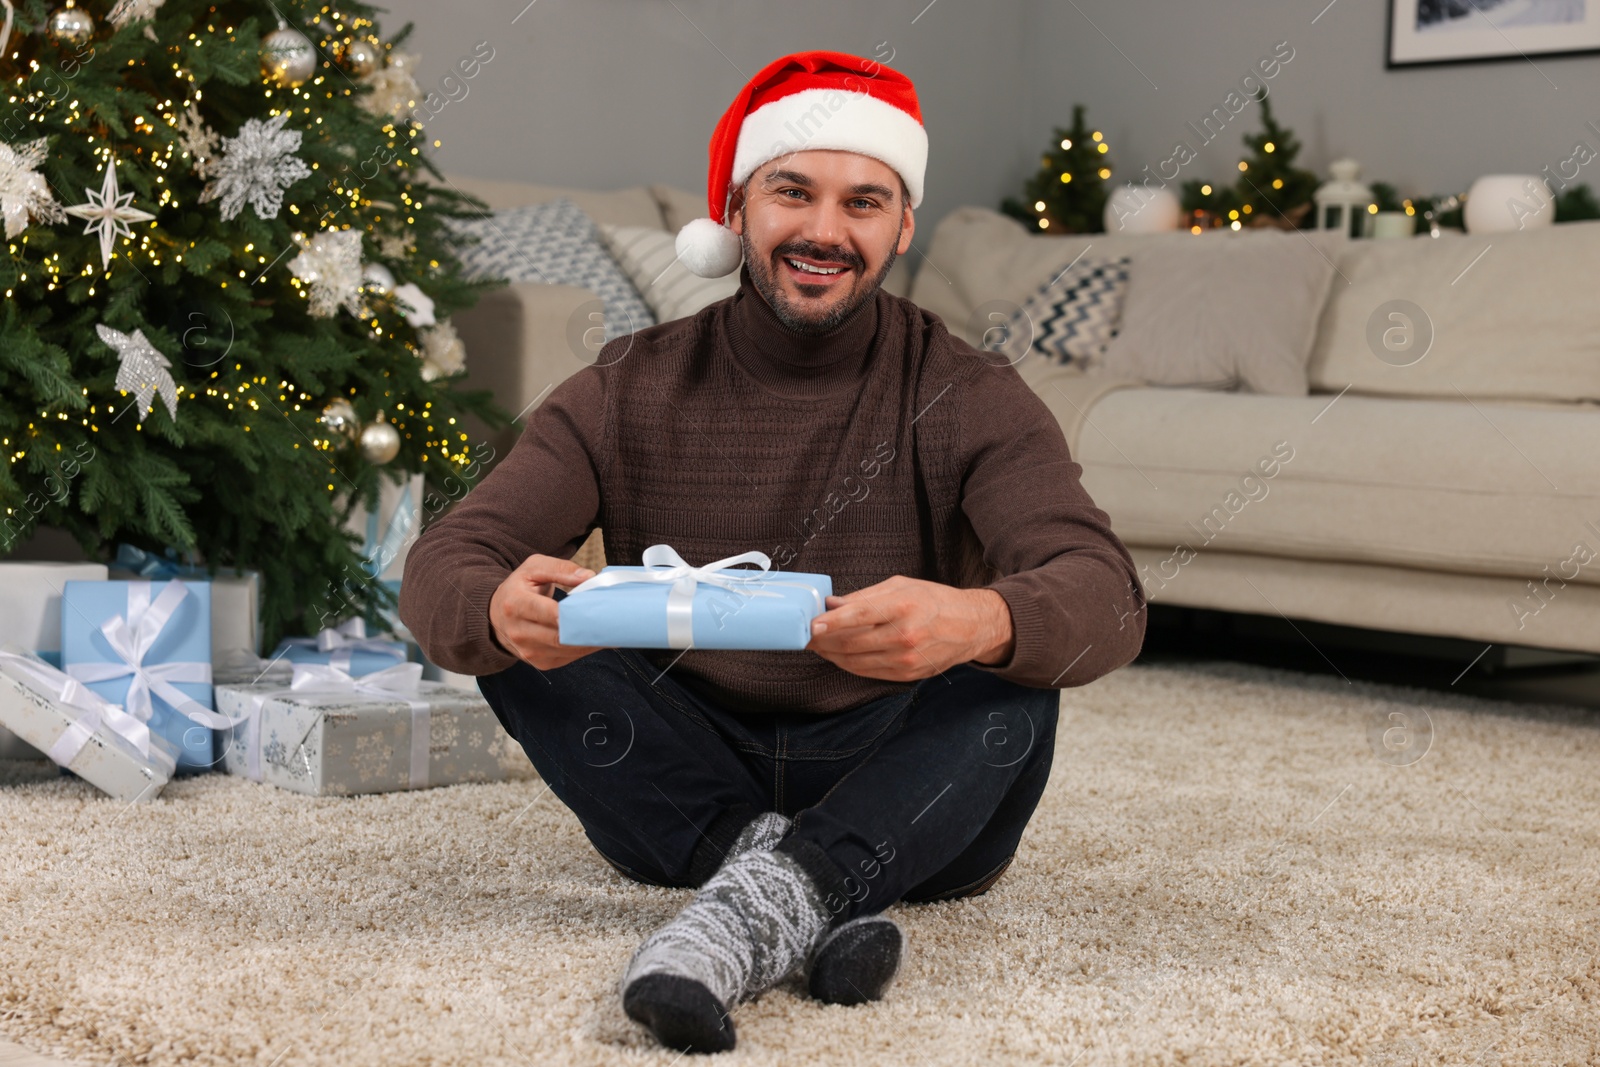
x,y
1231,866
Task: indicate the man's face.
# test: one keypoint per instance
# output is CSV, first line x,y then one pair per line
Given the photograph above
x,y
839,212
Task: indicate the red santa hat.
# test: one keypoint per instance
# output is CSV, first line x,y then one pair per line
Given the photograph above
x,y
804,101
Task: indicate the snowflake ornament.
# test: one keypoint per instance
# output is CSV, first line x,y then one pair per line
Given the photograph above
x,y
23,190
109,212
143,371
198,140
330,264
257,165
394,87
126,11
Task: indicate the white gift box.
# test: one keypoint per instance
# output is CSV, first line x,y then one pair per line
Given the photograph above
x,y
78,730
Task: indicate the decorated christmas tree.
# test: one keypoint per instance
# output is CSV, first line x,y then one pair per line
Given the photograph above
x,y
1068,195
1270,190
227,289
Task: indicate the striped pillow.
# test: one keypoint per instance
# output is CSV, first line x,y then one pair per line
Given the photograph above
x,y
650,260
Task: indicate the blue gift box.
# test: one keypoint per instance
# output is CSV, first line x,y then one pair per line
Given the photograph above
x,y
177,658
758,610
347,647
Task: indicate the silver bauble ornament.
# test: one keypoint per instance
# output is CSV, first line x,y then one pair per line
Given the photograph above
x,y
288,58
69,25
362,56
340,418
380,442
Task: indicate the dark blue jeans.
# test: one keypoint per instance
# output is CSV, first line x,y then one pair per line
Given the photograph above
x,y
920,796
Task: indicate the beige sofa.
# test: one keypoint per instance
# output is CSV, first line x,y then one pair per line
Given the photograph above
x,y
1456,497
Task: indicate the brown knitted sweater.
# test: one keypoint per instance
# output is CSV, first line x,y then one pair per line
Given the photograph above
x,y
886,447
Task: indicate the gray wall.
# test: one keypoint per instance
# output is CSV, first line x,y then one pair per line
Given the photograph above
x,y
612,93
1424,129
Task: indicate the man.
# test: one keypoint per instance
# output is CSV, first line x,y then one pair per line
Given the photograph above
x,y
846,432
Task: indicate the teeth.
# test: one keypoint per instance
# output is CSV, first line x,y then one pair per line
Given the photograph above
x,y
812,270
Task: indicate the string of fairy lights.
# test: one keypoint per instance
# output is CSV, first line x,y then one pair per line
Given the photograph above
x,y
352,35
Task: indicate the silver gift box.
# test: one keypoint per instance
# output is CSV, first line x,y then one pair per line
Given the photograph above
x,y
346,744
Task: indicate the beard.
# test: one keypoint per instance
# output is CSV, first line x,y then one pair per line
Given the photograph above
x,y
763,274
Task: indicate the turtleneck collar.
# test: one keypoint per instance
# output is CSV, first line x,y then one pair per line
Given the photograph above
x,y
795,364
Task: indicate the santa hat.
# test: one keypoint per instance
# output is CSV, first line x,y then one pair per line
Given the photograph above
x,y
804,101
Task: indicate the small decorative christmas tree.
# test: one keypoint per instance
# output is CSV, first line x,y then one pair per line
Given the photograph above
x,y
1271,190
1068,195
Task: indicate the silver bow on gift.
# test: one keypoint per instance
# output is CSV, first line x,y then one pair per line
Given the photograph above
x,y
665,566
131,636
96,712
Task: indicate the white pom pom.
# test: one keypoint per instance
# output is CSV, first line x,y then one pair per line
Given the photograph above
x,y
709,249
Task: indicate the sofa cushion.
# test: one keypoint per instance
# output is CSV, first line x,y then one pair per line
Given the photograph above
x,y
678,206
1224,311
650,260
1512,315
1070,319
1479,487
619,207
554,243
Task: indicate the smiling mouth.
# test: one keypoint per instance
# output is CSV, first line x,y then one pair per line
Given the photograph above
x,y
817,270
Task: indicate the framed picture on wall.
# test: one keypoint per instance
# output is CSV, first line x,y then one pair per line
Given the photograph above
x,y
1423,32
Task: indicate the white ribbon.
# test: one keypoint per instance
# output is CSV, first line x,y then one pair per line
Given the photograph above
x,y
397,683
343,641
131,637
666,566
96,712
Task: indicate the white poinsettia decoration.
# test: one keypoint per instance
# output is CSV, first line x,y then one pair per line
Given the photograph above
x,y
443,354
394,87
24,193
256,166
331,265
143,371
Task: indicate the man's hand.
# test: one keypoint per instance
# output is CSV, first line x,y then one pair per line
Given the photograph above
x,y
903,629
522,611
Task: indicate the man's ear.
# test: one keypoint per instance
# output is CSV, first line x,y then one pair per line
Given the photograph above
x,y
908,226
735,218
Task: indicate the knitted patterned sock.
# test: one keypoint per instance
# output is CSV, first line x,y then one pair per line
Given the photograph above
x,y
751,925
764,831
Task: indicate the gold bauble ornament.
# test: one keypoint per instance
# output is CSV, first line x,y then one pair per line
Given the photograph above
x,y
362,56
340,418
380,442
69,25
288,57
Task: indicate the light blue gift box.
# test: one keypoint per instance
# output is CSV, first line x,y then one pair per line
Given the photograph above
x,y
356,655
185,639
769,610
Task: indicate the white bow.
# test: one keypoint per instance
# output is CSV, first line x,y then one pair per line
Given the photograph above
x,y
666,566
131,636
97,711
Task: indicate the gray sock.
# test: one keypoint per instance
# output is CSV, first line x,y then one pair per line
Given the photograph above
x,y
751,925
763,831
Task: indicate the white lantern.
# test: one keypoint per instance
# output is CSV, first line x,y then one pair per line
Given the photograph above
x,y
1342,199
1497,203
1142,209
